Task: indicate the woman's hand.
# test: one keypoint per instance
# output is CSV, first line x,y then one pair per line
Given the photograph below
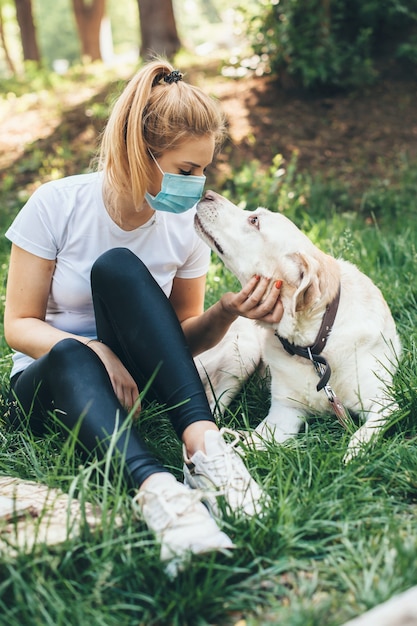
x,y
123,384
258,300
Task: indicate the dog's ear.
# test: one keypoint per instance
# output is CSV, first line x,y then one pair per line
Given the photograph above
x,y
308,290
318,278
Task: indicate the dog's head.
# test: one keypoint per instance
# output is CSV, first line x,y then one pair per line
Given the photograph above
x,y
269,244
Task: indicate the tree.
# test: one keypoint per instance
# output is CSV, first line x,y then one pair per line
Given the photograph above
x,y
158,28
24,16
8,58
88,16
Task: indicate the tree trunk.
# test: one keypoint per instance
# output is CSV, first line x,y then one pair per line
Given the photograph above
x,y
5,47
88,16
24,18
158,29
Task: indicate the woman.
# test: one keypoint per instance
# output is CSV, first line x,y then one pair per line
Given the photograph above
x,y
84,350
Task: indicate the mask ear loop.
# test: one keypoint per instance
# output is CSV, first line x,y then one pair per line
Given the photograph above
x,y
157,164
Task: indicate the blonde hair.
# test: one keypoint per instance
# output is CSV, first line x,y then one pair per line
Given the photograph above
x,y
151,114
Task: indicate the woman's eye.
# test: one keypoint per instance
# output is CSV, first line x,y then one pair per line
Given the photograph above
x,y
185,173
254,221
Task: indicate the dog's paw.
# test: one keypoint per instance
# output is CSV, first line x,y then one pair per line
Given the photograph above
x,y
266,433
358,443
253,440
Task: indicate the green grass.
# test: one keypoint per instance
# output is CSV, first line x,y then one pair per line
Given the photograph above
x,y
339,539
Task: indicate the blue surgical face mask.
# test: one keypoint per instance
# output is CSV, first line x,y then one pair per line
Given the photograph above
x,y
179,193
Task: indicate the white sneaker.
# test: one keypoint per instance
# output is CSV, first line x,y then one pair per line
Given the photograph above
x,y
179,520
221,471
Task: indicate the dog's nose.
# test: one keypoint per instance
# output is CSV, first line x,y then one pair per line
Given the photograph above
x,y
209,195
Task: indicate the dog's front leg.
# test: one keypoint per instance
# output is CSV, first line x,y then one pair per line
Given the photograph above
x,y
282,422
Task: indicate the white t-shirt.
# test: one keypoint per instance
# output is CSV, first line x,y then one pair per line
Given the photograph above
x,y
66,220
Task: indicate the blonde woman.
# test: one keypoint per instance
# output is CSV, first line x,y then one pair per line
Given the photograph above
x,y
106,293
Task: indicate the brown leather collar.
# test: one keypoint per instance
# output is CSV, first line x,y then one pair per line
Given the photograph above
x,y
313,352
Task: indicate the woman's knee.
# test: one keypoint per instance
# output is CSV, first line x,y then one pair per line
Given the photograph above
x,y
67,351
115,262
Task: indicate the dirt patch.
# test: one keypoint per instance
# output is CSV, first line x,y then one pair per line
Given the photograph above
x,y
350,136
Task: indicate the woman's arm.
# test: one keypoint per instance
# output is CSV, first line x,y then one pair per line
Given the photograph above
x,y
28,287
25,328
258,299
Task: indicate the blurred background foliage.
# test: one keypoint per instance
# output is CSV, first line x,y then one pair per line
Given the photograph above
x,y
312,44
333,43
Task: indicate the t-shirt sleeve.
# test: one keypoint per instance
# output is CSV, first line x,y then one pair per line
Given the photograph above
x,y
35,226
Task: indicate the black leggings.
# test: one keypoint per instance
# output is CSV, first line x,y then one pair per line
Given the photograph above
x,y
136,320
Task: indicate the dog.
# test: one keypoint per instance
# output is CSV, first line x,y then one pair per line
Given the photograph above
x,y
336,347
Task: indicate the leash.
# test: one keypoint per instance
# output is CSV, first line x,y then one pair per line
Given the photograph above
x,y
340,411
321,365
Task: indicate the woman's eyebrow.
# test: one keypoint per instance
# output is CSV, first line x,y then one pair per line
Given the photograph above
x,y
195,164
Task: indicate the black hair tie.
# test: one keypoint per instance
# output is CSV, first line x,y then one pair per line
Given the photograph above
x,y
174,77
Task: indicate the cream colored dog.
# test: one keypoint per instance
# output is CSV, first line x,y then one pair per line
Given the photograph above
x,y
358,338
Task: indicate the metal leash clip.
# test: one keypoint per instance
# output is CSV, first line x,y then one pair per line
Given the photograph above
x,y
323,371
329,393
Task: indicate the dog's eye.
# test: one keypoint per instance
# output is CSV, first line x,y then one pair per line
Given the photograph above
x,y
254,221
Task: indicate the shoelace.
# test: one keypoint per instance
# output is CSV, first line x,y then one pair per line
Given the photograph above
x,y
234,474
171,506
